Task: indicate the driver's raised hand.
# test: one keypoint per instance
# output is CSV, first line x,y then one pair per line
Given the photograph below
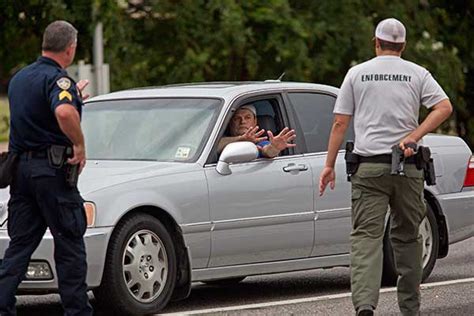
x,y
283,139
253,135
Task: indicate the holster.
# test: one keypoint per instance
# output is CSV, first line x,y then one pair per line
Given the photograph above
x,y
352,160
425,162
72,171
57,156
8,167
429,172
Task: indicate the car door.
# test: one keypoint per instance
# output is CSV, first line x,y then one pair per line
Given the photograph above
x,y
313,113
263,210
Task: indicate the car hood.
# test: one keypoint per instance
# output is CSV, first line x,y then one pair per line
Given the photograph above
x,y
100,174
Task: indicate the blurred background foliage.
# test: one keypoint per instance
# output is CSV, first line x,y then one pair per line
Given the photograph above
x,y
155,42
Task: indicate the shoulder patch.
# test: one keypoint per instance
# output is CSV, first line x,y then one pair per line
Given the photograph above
x,y
64,83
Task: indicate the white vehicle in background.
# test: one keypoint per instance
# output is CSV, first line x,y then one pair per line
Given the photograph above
x,y
164,210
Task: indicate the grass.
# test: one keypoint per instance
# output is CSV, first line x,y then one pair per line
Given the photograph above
x,y
4,119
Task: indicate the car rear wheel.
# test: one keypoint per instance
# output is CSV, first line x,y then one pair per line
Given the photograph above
x,y
224,282
429,233
140,268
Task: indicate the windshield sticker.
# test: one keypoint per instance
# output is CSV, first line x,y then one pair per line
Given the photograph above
x,y
183,152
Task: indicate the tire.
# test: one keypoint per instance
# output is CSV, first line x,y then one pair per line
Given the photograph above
x,y
224,282
430,234
153,267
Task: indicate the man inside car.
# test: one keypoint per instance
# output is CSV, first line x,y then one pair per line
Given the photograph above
x,y
243,127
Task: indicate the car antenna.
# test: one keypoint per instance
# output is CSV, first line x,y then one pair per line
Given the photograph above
x,y
276,80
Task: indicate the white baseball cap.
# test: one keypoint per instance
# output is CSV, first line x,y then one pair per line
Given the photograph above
x,y
391,30
249,107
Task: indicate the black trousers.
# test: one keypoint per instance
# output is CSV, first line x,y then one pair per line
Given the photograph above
x,y
40,198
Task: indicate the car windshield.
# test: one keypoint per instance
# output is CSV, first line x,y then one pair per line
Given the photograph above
x,y
173,129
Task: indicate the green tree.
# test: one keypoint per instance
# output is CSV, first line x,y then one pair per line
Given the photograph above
x,y
22,24
154,42
455,21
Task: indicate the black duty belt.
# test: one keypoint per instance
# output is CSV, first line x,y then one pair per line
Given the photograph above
x,y
384,159
41,154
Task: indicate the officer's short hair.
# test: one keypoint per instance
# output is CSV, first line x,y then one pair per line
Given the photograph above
x,y
58,36
396,47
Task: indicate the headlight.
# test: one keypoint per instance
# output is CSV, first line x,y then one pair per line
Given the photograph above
x,y
39,270
90,213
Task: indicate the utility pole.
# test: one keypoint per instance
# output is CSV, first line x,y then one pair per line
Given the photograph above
x,y
98,72
98,56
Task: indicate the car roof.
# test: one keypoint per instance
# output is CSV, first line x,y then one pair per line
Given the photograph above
x,y
225,90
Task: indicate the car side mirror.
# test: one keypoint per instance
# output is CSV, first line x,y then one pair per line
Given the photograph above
x,y
235,153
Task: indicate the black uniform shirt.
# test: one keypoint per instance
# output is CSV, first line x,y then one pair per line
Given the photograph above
x,y
34,93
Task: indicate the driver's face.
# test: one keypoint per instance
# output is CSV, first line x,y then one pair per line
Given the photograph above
x,y
242,120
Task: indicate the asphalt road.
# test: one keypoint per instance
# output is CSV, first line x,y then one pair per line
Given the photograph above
x,y
320,292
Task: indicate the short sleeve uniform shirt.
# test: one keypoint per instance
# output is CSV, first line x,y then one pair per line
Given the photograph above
x,y
384,96
34,93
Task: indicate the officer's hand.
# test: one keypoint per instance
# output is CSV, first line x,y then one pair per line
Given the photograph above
x,y
407,151
328,175
78,158
81,85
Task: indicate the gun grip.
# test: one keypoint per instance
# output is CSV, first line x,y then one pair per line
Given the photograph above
x,y
412,146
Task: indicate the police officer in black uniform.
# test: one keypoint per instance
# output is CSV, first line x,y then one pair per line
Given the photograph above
x,y
45,109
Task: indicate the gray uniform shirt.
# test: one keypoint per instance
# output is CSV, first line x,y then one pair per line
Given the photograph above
x,y
384,96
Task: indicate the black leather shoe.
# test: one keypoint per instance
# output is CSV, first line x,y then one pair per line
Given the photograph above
x,y
365,310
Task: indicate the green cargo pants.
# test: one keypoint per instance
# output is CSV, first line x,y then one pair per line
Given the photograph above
x,y
373,190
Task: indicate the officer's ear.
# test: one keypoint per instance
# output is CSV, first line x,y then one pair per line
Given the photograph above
x,y
376,43
71,48
376,46
403,48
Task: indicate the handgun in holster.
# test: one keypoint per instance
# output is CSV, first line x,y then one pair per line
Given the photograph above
x,y
425,162
72,171
57,156
352,160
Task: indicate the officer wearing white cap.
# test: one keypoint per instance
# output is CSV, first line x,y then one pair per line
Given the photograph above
x,y
384,96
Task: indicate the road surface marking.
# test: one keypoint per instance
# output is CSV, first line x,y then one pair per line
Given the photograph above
x,y
307,299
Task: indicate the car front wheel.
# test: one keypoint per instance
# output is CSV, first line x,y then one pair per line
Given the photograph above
x,y
430,235
140,268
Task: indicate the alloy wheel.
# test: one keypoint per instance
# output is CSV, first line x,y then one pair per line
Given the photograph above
x,y
427,235
145,266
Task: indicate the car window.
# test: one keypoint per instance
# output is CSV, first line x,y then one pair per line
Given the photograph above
x,y
149,129
314,114
269,117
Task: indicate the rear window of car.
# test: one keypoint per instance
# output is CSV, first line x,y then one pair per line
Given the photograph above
x,y
314,112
